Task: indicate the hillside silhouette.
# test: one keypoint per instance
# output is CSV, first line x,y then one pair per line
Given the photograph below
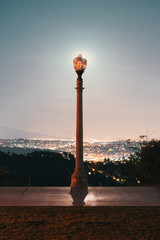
x,y
47,168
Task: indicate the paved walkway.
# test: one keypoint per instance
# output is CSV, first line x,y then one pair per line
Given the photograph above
x,y
97,196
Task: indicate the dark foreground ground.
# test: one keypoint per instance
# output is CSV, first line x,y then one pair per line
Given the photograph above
x,y
80,223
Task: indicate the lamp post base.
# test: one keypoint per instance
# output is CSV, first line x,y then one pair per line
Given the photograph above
x,y
78,195
79,187
79,178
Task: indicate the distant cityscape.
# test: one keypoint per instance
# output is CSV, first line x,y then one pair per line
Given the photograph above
x,y
94,150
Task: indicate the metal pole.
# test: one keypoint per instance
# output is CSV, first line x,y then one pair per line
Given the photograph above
x,y
79,178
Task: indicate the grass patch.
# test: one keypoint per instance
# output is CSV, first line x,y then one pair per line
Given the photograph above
x,y
80,223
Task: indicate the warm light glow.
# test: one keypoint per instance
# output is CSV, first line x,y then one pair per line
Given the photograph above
x,y
86,52
79,63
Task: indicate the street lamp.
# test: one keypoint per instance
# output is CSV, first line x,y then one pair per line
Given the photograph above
x,y
79,186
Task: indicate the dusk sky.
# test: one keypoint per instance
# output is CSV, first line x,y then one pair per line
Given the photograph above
x,y
120,40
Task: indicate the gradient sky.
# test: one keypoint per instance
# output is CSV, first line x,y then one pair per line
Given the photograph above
x,y
120,39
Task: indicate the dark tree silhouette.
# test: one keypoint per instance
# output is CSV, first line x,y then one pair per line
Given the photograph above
x,y
148,163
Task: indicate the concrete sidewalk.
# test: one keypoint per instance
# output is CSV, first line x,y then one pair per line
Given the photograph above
x,y
97,196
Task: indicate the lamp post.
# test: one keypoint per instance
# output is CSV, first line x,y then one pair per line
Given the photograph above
x,y
79,179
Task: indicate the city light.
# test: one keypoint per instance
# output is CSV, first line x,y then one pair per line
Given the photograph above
x,y
93,150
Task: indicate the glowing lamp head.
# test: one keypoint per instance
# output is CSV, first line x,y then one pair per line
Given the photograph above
x,y
79,63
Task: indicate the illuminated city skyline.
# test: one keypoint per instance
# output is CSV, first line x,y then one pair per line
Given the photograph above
x,y
94,149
